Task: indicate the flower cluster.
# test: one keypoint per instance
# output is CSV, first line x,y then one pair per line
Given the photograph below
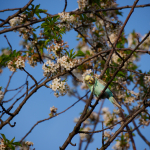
x,y
64,63
123,143
6,52
24,32
2,146
17,20
146,43
29,143
92,118
64,16
109,119
67,63
11,66
132,40
69,21
53,109
84,136
50,67
1,95
107,135
144,119
112,38
82,4
60,87
57,48
19,63
147,80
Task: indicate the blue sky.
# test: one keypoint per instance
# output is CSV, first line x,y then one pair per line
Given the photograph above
x,y
52,134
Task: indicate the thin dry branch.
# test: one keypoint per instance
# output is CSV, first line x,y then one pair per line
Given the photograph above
x,y
52,117
17,13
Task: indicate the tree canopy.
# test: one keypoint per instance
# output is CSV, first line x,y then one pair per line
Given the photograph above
x,y
45,66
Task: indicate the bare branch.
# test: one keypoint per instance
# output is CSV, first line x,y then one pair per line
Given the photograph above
x,y
65,6
8,42
18,12
51,117
12,9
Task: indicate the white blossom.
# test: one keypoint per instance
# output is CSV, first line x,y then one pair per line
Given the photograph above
x,y
60,87
1,96
53,109
29,143
83,135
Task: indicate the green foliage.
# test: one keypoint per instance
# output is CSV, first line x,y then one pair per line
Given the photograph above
x,y
5,58
80,53
51,30
10,144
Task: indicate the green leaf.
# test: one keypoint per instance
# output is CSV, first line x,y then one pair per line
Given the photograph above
x,y
12,140
17,144
80,53
3,136
120,73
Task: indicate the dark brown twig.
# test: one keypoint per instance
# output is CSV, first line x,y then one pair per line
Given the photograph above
x,y
51,117
18,12
9,9
8,42
30,76
65,6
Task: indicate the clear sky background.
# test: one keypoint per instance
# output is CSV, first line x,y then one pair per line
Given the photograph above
x,y
53,133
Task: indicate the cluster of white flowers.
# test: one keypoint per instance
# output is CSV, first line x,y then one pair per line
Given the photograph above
x,y
11,66
86,122
24,32
53,109
57,47
109,119
84,136
14,21
6,52
132,42
64,16
126,144
144,122
1,95
107,135
63,62
29,143
82,4
147,80
93,117
117,146
31,62
129,99
17,20
115,57
70,21
60,87
2,146
49,66
20,63
67,63
112,38
146,43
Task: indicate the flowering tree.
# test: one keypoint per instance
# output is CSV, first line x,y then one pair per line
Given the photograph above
x,y
102,52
